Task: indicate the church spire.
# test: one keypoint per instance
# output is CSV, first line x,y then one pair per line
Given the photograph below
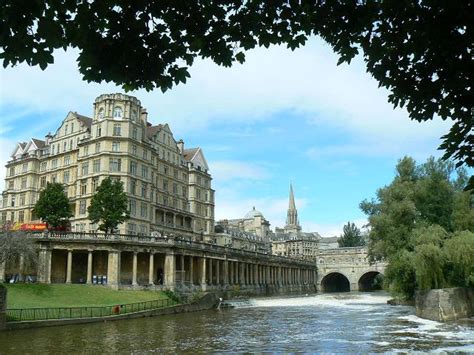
x,y
292,224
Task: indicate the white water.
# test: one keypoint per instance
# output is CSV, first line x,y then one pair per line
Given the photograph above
x,y
396,328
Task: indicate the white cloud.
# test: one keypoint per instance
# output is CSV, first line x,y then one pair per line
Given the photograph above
x,y
225,170
327,230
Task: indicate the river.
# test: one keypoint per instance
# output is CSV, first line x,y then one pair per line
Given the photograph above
x,y
331,323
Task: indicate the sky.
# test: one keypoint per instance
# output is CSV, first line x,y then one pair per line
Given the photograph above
x,y
282,117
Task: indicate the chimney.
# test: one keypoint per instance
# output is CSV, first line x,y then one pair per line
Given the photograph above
x,y
48,138
180,145
144,115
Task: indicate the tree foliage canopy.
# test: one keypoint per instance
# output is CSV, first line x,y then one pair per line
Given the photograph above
x,y
422,225
16,245
53,206
109,205
419,50
351,236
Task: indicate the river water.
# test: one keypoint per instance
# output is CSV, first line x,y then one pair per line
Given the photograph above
x,y
330,323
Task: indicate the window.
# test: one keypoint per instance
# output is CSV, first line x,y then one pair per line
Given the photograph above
x,y
86,150
132,228
165,184
165,169
118,112
11,184
145,154
101,114
143,189
24,167
133,186
64,146
43,166
133,168
23,183
53,178
134,149
97,147
13,201
82,207
66,177
54,163
67,160
22,199
72,127
134,115
83,187
12,171
85,169
96,166
43,181
115,146
132,206
175,188
145,171
198,194
99,130
95,184
70,144
134,133
165,200
144,210
117,129
21,216
115,164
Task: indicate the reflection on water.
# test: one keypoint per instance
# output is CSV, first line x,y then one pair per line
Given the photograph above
x,y
350,322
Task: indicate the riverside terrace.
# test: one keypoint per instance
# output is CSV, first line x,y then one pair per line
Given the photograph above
x,y
130,261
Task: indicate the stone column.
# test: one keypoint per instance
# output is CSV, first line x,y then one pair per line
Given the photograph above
x,y
113,269
231,272
174,220
69,267
182,269
89,267
151,270
226,272
209,277
191,270
218,274
134,269
44,267
203,274
242,274
2,271
170,274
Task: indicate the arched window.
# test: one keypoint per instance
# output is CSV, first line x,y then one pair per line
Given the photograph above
x,y
118,112
101,114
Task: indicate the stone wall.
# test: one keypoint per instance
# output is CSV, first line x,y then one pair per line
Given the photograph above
x,y
3,307
445,304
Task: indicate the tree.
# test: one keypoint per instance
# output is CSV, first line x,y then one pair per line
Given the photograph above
x,y
418,50
420,225
16,246
351,236
52,206
109,205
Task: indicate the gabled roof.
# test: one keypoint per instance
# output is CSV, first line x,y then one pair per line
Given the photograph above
x,y
38,142
152,130
190,153
86,121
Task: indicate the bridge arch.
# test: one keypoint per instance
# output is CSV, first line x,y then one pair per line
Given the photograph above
x,y
335,282
370,281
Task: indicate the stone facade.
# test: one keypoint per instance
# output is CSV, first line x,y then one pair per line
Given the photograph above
x,y
169,187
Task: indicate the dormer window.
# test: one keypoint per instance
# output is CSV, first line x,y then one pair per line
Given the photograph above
x,y
118,113
101,114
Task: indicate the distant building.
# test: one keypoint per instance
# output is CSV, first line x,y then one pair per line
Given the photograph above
x,y
291,241
251,232
329,243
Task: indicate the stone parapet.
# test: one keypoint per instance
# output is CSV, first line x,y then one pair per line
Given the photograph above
x,y
445,304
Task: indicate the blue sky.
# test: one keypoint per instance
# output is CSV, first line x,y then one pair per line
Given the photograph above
x,y
282,116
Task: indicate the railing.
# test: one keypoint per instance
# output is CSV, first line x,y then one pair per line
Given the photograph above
x,y
168,241
32,314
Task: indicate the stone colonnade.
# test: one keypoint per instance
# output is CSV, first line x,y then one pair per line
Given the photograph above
x,y
166,268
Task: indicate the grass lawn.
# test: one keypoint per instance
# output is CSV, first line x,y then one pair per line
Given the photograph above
x,y
49,296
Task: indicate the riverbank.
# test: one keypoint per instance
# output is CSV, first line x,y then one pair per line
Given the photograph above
x,y
60,295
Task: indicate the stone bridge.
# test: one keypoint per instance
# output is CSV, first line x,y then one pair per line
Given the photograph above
x,y
347,269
